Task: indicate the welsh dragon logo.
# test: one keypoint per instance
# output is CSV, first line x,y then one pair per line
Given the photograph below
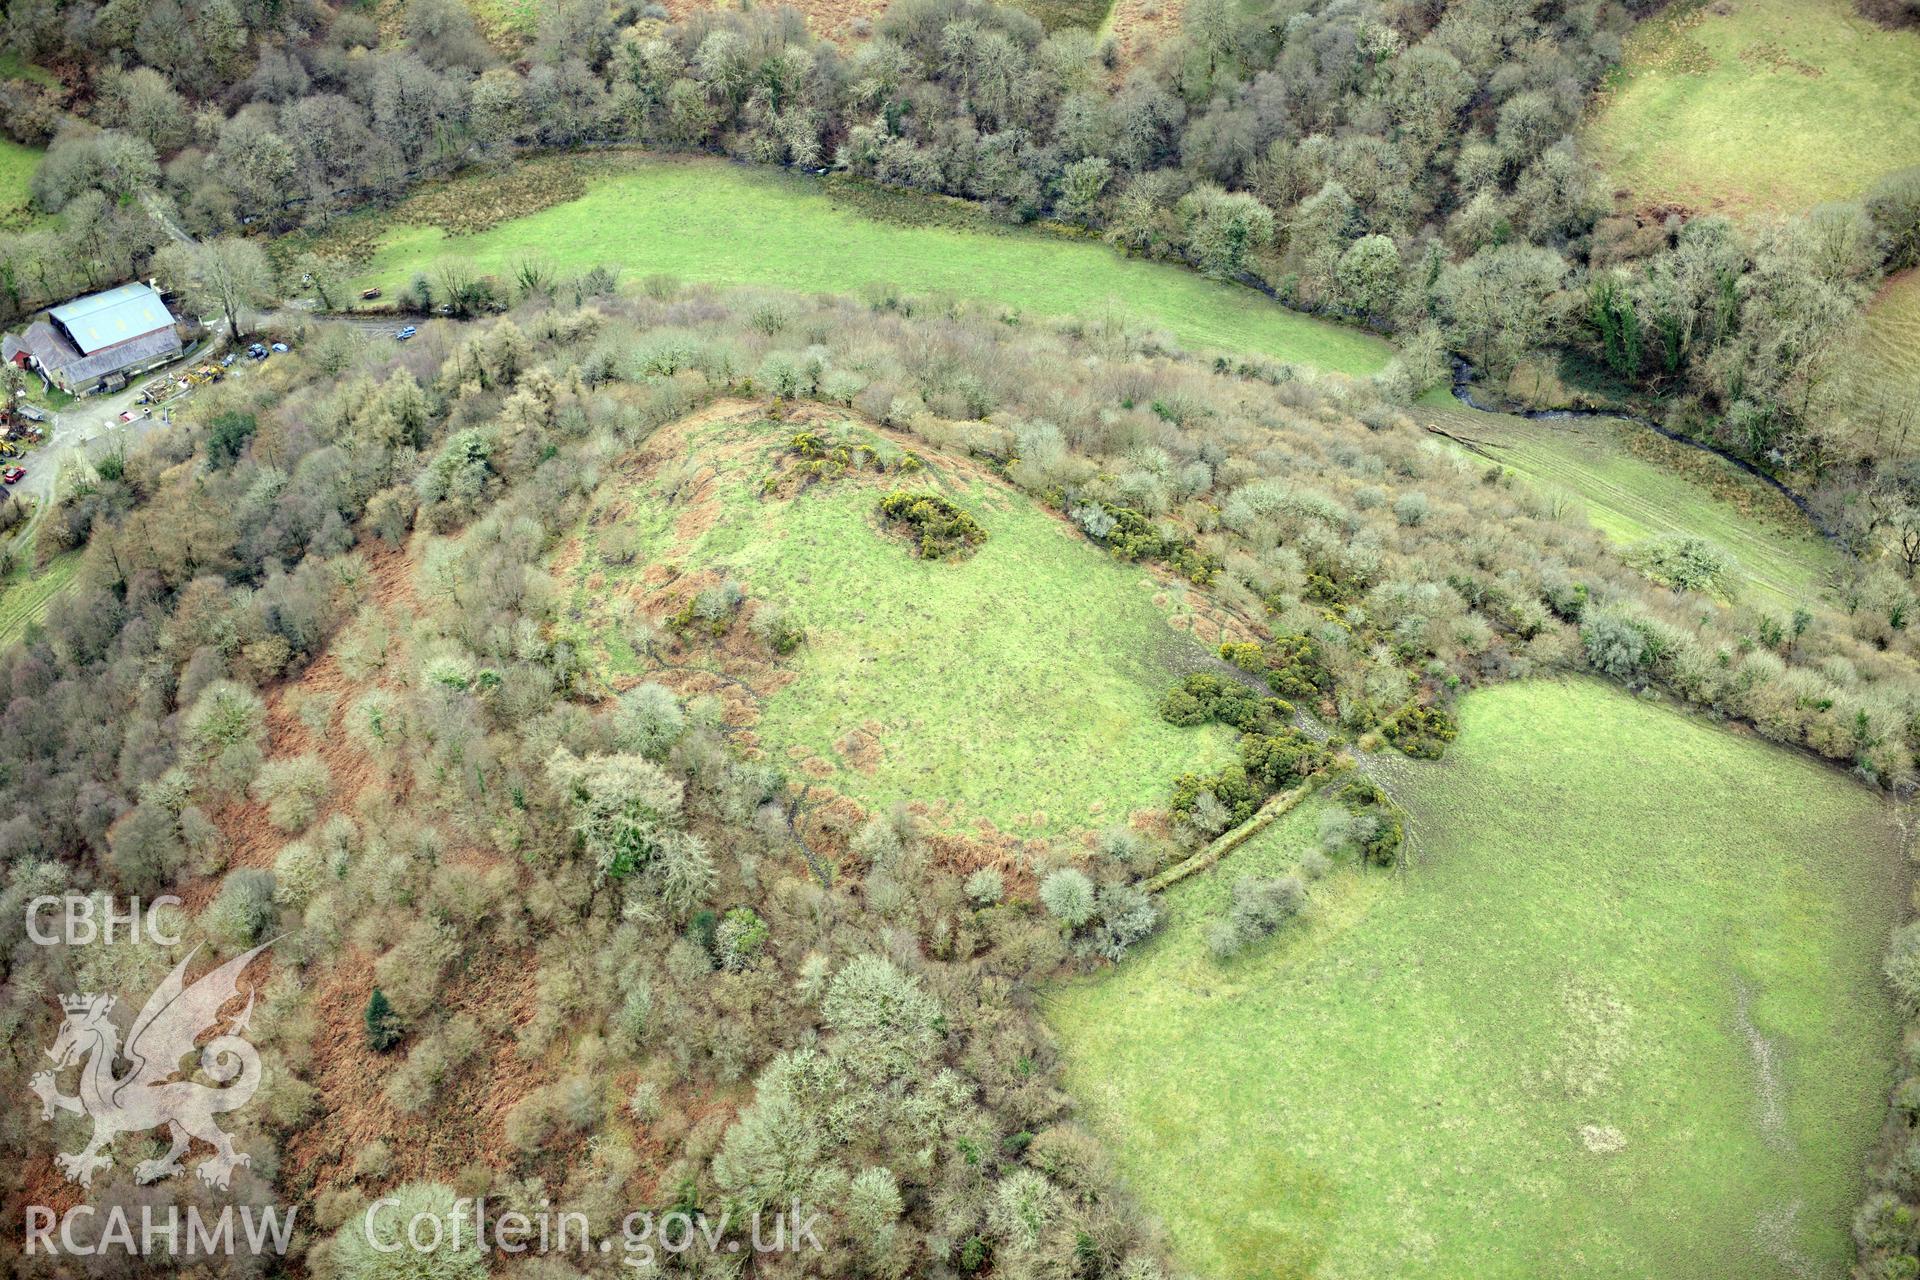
x,y
149,1095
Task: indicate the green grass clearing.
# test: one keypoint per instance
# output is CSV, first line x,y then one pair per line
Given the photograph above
x,y
1017,686
1886,361
1631,484
714,222
1057,14
1611,1024
48,396
25,596
504,19
17,164
15,67
1759,106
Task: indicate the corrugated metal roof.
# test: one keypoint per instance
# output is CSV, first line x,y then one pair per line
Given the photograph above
x,y
102,319
140,350
44,343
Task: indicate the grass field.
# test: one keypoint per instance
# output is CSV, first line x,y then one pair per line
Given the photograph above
x,y
1886,360
1756,106
1631,485
1018,685
1611,1024
17,164
25,597
711,221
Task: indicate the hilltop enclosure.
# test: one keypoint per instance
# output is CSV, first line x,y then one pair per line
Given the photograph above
x,y
1012,691
1067,639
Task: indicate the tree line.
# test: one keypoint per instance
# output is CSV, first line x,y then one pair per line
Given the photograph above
x,y
1410,167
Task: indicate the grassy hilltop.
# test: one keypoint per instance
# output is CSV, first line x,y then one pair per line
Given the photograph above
x,y
1014,688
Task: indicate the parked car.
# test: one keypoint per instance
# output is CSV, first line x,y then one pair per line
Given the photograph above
x,y
281,348
13,475
405,332
226,361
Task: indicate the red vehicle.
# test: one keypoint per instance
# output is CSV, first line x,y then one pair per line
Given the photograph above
x,y
13,475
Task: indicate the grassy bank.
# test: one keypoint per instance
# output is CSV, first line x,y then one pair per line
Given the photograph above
x,y
1885,365
1758,106
716,222
1631,485
1612,1024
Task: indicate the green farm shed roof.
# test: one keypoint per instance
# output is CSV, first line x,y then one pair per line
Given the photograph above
x,y
102,319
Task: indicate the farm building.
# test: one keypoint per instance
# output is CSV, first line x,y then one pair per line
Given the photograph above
x,y
97,342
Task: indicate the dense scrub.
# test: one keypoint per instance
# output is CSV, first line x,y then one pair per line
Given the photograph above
x,y
938,527
312,679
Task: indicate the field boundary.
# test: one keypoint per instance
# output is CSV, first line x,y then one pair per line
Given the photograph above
x,y
1270,812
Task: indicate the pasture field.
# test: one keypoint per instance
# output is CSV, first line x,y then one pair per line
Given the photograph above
x,y
1758,106
1607,1025
1138,27
711,221
507,25
1631,484
1017,686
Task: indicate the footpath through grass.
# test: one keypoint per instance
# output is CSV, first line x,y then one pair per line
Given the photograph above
x,y
1759,106
1622,1019
1018,686
710,221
